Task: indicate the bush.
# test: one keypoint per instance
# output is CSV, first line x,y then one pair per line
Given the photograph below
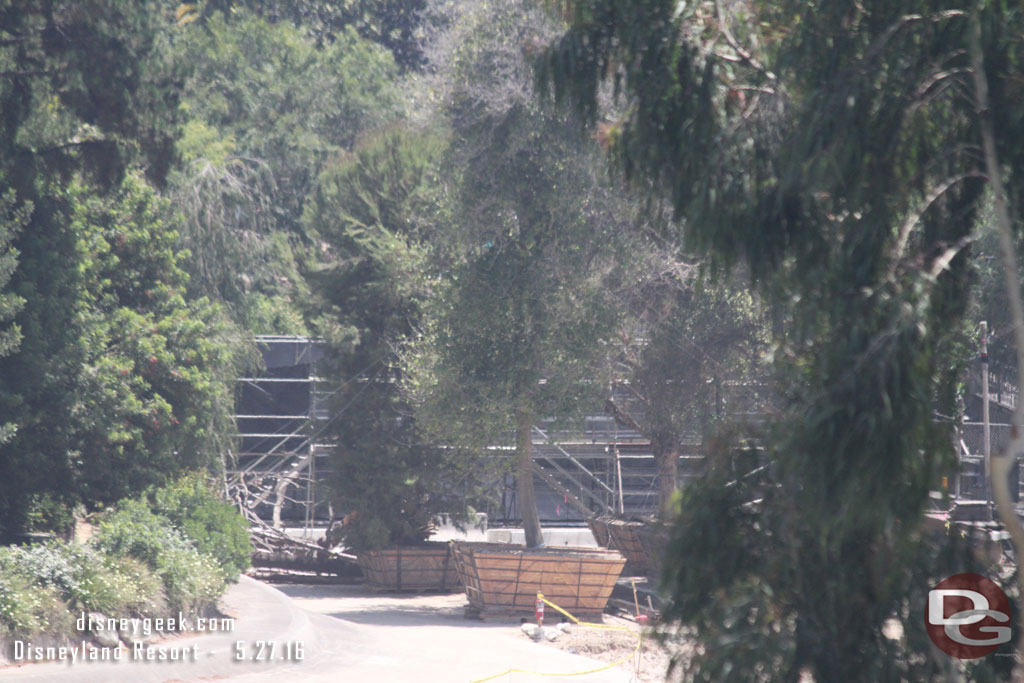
x,y
191,579
47,513
137,563
27,608
139,588
213,525
133,529
87,579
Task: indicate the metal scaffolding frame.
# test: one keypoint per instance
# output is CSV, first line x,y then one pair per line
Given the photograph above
x,y
597,465
280,413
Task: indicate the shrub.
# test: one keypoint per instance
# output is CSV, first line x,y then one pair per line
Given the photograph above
x,y
47,513
27,608
133,529
140,589
191,579
87,579
213,525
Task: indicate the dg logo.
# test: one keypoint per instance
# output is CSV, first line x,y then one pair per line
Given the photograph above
x,y
968,616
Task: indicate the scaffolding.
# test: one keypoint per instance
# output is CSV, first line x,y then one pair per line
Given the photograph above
x,y
598,465
280,413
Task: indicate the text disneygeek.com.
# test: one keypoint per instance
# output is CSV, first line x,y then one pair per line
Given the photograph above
x,y
138,651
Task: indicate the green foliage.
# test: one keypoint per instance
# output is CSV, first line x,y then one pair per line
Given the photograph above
x,y
212,524
192,580
49,513
519,301
42,587
12,219
136,564
82,106
156,369
398,25
693,363
133,529
134,585
78,96
26,609
829,147
517,324
267,107
88,580
139,375
373,211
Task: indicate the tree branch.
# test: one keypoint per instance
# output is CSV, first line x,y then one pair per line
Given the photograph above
x,y
745,56
911,221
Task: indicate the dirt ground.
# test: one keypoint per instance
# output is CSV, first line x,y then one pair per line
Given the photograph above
x,y
614,646
440,619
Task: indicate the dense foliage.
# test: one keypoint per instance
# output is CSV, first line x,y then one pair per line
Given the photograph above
x,y
693,362
833,148
116,371
518,318
192,505
172,551
175,178
266,108
375,211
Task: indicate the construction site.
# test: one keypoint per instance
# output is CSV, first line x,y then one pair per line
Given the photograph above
x,y
598,466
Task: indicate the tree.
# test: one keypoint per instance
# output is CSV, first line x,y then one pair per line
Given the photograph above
x,y
830,148
266,108
145,377
120,380
155,393
518,324
88,89
12,220
397,25
691,360
372,211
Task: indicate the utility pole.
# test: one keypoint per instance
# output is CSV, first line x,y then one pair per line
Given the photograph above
x,y
987,449
618,479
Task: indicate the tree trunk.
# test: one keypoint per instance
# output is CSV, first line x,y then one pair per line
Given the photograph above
x,y
524,480
666,456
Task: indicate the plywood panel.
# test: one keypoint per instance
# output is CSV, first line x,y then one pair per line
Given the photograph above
x,y
419,568
504,579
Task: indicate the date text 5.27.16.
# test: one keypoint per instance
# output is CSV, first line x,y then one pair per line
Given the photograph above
x,y
269,651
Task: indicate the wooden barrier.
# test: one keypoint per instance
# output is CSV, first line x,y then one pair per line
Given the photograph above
x,y
654,538
413,568
640,541
308,562
503,580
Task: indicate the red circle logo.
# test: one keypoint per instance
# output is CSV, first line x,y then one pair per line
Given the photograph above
x,y
967,616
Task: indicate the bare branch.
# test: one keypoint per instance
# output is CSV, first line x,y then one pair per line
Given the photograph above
x,y
745,56
942,262
875,48
912,219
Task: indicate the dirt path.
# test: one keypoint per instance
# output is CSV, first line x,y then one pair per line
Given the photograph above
x,y
344,634
433,630
428,617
